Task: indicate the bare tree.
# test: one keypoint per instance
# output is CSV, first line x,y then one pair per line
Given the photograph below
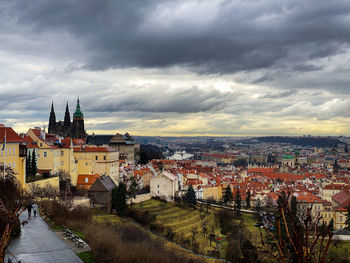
x,y
50,191
10,209
297,239
34,190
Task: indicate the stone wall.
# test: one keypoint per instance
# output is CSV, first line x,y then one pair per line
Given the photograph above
x,y
53,181
140,198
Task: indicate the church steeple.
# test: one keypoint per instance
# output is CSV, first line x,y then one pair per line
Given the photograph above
x,y
67,123
78,130
52,120
77,112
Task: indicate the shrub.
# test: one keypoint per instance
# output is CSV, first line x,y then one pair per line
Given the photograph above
x,y
80,212
144,218
157,227
170,233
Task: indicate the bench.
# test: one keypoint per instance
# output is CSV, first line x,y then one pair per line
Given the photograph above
x,y
77,240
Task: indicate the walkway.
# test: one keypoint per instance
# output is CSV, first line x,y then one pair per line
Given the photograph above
x,y
38,244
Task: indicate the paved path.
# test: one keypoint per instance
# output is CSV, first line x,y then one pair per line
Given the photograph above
x,y
38,244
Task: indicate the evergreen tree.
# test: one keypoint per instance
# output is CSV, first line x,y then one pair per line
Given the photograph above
x,y
247,200
28,165
119,199
293,206
191,195
331,225
132,189
228,195
33,168
347,221
238,203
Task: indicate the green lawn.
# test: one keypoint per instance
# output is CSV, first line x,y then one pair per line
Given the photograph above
x,y
86,257
116,220
188,223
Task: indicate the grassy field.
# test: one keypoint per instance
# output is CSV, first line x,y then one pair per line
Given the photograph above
x,y
116,220
189,225
86,257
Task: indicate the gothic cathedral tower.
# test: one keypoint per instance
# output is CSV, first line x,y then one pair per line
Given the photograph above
x,y
67,123
52,120
78,130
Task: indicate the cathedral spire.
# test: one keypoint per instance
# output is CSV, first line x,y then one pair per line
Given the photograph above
x,y
77,112
67,123
78,130
52,120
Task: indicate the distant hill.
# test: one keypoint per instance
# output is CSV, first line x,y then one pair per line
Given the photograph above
x,y
302,141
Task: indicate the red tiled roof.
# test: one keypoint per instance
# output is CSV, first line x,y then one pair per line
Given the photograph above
x,y
335,187
341,207
341,197
91,179
261,170
194,181
11,135
30,143
94,149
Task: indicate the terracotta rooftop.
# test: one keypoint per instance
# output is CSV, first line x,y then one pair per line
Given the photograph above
x,y
342,197
11,135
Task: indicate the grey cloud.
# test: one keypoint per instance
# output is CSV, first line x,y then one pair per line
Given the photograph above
x,y
164,99
279,95
240,36
306,67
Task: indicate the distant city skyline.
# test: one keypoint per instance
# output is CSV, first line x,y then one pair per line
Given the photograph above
x,y
178,68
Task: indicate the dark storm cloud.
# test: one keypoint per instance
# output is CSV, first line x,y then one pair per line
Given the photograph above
x,y
164,99
283,94
222,38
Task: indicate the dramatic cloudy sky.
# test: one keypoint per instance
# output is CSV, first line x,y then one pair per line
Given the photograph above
x,y
181,67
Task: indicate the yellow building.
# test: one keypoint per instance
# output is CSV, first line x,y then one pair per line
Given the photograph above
x,y
339,216
327,212
97,160
212,192
13,153
327,191
53,154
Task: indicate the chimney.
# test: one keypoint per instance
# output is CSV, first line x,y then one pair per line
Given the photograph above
x,y
42,134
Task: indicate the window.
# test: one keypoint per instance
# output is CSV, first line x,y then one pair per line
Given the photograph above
x,y
96,158
14,151
340,218
104,158
86,163
13,165
45,154
10,165
9,151
62,153
5,151
41,145
86,179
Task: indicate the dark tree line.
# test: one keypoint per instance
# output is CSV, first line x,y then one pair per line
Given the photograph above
x,y
31,164
302,141
149,152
